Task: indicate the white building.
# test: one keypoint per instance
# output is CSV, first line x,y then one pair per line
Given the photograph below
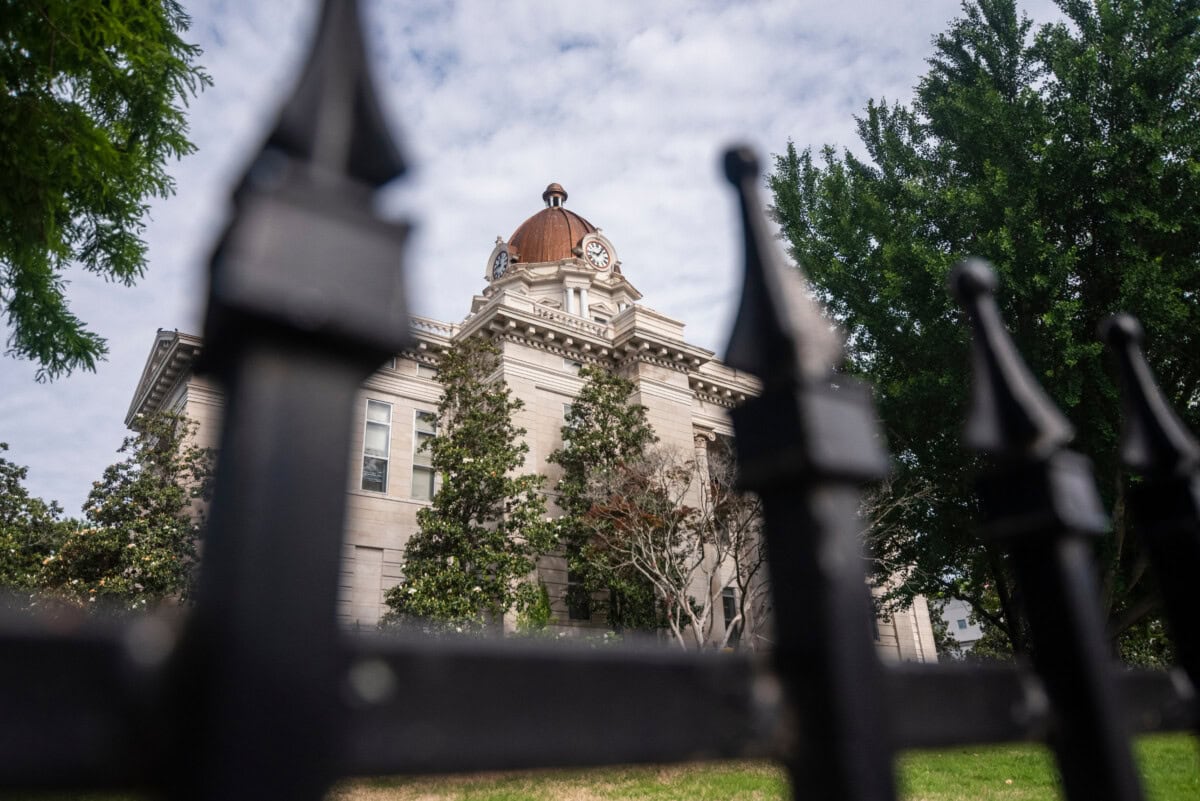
x,y
965,631
554,298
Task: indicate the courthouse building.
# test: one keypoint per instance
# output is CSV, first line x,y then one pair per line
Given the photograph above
x,y
554,297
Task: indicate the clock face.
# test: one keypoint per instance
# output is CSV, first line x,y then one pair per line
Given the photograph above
x,y
500,265
597,254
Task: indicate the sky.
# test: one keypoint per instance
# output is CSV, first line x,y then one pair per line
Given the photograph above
x,y
627,105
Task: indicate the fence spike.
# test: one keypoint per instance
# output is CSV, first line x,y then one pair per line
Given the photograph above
x,y
1154,441
1166,504
1010,413
305,302
778,328
806,445
1040,504
333,119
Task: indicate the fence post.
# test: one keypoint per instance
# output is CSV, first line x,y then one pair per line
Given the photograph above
x,y
305,303
1040,505
806,445
1166,504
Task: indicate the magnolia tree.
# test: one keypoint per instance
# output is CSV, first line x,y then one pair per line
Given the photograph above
x,y
602,430
137,545
30,530
472,560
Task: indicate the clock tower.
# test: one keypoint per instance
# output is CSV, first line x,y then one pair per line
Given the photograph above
x,y
562,261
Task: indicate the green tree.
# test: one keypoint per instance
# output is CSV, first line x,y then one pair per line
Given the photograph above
x,y
1068,157
136,547
30,529
472,559
92,97
602,431
654,537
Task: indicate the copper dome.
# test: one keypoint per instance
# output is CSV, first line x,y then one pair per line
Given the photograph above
x,y
551,234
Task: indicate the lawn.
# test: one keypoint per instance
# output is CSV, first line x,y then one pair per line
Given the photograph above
x,y
1170,765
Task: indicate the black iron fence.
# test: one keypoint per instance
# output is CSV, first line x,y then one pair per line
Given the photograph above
x,y
259,694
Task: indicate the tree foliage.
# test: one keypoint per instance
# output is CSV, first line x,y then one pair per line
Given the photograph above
x,y
661,517
1068,156
137,545
92,97
602,430
472,559
653,535
30,529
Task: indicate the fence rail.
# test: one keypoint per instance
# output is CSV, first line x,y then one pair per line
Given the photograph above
x,y
258,693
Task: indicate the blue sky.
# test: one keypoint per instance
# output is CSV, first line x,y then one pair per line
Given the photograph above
x,y
627,105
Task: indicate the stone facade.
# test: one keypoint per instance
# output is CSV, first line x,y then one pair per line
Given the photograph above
x,y
549,318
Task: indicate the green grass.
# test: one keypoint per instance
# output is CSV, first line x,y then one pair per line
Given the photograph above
x,y
1170,767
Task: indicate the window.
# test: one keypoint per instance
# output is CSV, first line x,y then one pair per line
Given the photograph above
x,y
377,439
729,607
366,585
391,363
579,601
566,426
426,371
601,320
962,623
424,429
572,366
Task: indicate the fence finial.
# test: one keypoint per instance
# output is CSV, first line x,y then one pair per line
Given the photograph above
x,y
1010,413
1154,440
333,119
1041,506
778,331
1166,505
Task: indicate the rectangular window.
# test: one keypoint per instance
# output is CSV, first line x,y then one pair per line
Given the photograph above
x,y
566,426
425,371
424,430
601,320
391,363
366,585
579,601
729,607
572,366
962,623
377,439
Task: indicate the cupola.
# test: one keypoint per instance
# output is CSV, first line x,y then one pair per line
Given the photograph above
x,y
553,233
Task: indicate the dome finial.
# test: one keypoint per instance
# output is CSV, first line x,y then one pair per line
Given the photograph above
x,y
554,195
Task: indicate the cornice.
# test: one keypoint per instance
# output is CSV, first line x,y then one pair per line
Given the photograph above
x,y
172,356
568,348
725,398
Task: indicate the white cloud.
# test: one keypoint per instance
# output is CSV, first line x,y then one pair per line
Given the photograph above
x,y
627,105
